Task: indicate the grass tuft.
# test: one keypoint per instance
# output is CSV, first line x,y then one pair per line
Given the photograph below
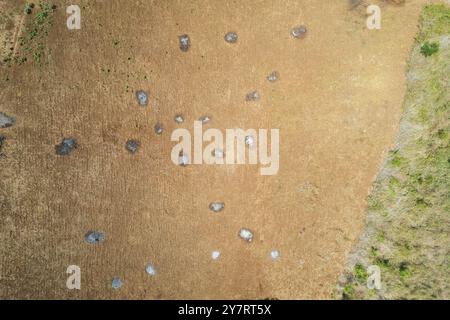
x,y
429,48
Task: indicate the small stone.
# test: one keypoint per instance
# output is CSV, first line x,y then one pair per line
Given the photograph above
x,y
66,146
231,37
6,121
142,98
274,76
301,263
94,237
246,234
252,96
354,3
216,206
132,146
185,42
116,283
150,269
159,128
179,118
274,254
183,159
299,32
215,255
204,119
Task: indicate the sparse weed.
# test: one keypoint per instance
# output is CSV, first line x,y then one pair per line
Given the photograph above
x,y
360,273
429,48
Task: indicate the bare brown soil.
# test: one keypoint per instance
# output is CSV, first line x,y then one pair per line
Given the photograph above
x,y
337,105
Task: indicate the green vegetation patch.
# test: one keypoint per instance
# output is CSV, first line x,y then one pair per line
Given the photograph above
x,y
33,40
408,226
429,48
434,21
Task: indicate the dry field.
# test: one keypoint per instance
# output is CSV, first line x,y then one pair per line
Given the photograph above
x,y
337,103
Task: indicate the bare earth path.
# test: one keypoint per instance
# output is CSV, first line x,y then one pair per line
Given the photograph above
x,y
337,105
